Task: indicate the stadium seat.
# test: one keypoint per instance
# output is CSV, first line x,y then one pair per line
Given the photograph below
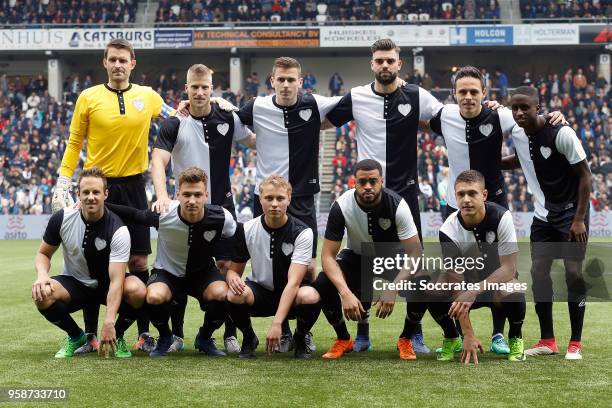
x,y
275,18
322,8
423,17
321,18
413,17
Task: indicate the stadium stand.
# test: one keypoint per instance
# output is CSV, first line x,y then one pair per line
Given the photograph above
x,y
75,12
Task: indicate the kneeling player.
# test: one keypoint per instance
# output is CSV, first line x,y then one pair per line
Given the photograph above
x,y
280,248
484,233
96,247
184,264
369,213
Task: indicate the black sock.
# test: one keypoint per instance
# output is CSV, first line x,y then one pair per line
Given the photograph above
x,y
514,308
90,317
159,317
143,318
458,327
230,328
177,317
127,315
213,319
545,316
439,312
499,320
363,325
307,316
334,317
414,314
58,314
241,317
576,313
286,328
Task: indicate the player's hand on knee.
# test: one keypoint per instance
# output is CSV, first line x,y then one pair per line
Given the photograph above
x,y
235,283
108,339
273,338
42,289
353,309
162,205
459,309
471,346
223,104
61,194
385,304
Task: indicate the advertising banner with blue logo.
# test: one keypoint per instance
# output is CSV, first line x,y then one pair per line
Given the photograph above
x,y
173,38
480,35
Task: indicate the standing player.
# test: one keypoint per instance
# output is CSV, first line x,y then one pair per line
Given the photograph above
x,y
387,116
287,126
280,249
96,247
184,264
474,134
557,172
203,139
115,118
369,213
484,233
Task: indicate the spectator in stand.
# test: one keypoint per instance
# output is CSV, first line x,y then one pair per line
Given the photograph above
x,y
335,84
309,82
339,160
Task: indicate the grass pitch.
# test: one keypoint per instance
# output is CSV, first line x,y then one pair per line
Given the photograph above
x,y
377,378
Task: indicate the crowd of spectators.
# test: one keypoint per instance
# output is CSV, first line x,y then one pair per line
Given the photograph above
x,y
565,9
77,12
34,128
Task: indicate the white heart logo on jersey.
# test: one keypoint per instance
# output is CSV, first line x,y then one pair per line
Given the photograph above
x,y
138,104
100,244
486,129
384,223
287,248
404,108
490,237
209,235
223,128
546,151
305,114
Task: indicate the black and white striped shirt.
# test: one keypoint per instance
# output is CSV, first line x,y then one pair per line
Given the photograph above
x,y
184,249
390,221
288,139
547,158
387,126
493,237
205,142
475,144
88,248
272,251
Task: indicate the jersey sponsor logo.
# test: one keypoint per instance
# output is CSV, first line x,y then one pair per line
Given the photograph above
x,y
210,235
312,181
486,129
99,243
305,114
287,248
490,237
139,104
384,223
545,151
404,108
222,128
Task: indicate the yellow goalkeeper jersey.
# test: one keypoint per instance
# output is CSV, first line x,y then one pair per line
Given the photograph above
x,y
115,125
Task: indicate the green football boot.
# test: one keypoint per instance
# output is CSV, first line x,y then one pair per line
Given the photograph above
x,y
517,350
122,350
69,346
448,349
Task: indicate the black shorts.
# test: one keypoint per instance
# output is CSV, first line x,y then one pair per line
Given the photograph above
x,y
224,248
550,239
81,295
183,287
130,191
265,301
302,208
411,196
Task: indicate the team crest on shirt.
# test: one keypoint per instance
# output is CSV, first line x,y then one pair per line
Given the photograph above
x,y
404,108
305,114
287,248
99,243
223,128
545,151
139,104
384,223
490,237
210,235
486,129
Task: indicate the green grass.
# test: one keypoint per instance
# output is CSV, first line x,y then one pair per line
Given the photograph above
x,y
377,378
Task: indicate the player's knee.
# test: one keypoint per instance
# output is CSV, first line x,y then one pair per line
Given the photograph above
x,y
44,304
137,263
156,297
216,291
237,299
134,291
307,295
